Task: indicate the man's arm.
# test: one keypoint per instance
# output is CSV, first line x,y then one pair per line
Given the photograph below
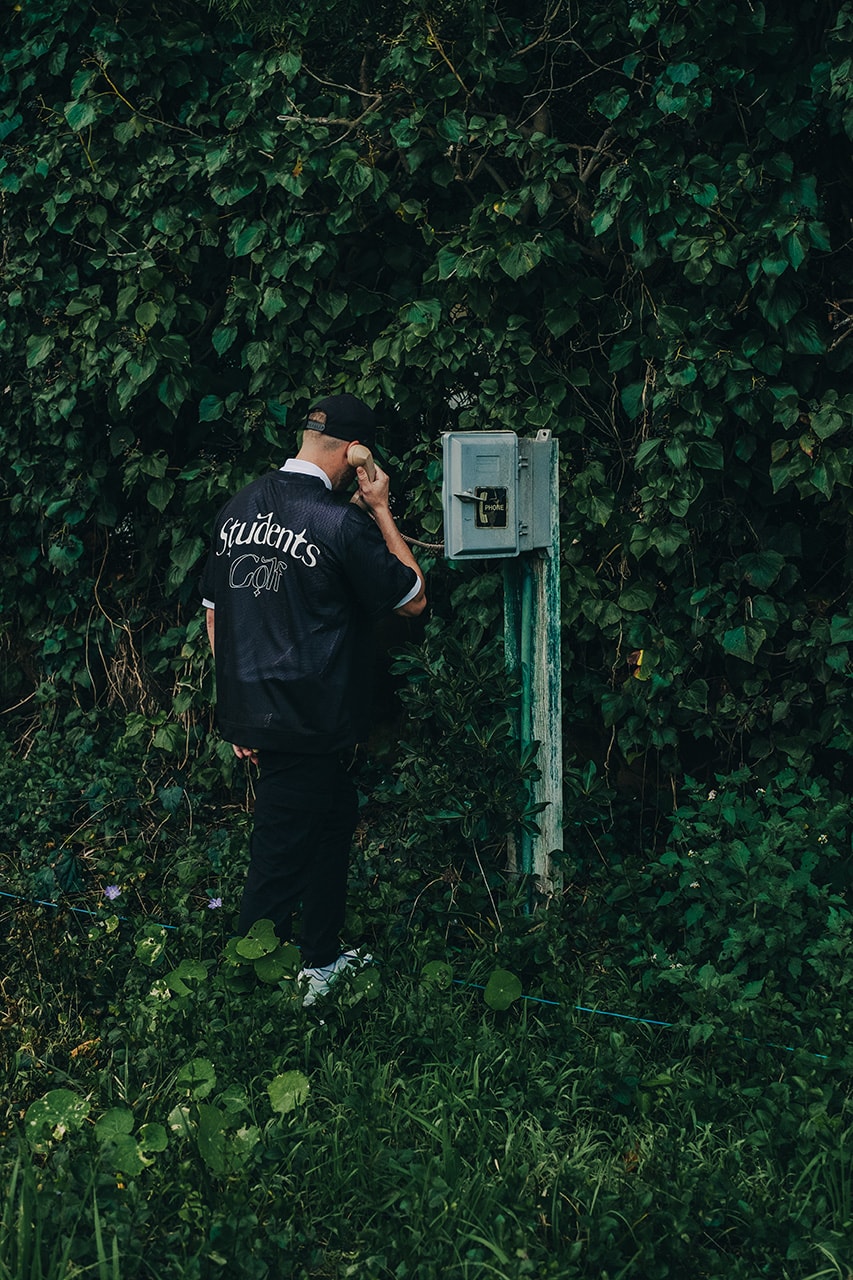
x,y
242,753
375,496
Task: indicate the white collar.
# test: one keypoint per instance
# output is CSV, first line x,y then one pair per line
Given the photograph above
x,y
304,468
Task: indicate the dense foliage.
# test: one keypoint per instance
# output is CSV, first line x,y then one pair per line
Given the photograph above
x,y
627,222
630,226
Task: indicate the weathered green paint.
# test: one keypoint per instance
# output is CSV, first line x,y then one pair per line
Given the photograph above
x,y
532,647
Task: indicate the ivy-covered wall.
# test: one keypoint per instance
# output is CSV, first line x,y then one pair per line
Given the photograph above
x,y
627,221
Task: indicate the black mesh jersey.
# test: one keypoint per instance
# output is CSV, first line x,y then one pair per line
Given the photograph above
x,y
296,574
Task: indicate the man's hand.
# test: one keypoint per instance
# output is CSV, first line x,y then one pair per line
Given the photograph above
x,y
245,753
373,493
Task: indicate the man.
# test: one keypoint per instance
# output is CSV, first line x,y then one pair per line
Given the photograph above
x,y
295,575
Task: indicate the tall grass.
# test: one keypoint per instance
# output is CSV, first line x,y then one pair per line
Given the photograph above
x,y
31,1248
438,1139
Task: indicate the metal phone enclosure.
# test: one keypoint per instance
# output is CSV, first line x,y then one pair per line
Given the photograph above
x,y
480,494
496,493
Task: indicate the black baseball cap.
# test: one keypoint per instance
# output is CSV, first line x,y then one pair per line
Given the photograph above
x,y
347,418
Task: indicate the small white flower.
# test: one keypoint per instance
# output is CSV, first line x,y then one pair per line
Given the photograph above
x,y
694,884
712,795
823,839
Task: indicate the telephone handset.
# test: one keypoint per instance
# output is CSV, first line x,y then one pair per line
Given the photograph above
x,y
358,455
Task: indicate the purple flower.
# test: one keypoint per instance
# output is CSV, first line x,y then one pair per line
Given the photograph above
x,y
213,903
112,891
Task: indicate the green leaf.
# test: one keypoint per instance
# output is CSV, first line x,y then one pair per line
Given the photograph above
x,y
257,354
447,261
277,965
423,315
223,338
707,454
365,984
231,955
332,302
803,338
437,973
169,737
197,1077
288,1091
160,493
49,1118
676,451
602,219
65,555
80,114
173,347
502,989
248,239
146,314
647,450
183,557
519,259
559,319
261,940
152,1137
612,103
841,629
123,1155
187,971
173,391
453,127
180,1123
787,119
405,132
151,944
682,72
278,413
114,1123
761,568
744,642
781,302
211,1137
633,399
39,347
352,174
637,598
10,125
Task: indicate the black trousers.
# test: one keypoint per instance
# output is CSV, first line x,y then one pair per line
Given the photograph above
x,y
306,808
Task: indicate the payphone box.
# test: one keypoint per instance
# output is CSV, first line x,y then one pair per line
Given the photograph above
x,y
496,493
480,494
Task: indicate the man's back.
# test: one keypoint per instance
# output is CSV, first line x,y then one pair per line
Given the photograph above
x,y
296,573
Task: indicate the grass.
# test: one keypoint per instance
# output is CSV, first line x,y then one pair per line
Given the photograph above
x,y
438,1137
169,1114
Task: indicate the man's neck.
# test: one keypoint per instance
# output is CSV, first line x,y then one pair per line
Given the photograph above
x,y
305,467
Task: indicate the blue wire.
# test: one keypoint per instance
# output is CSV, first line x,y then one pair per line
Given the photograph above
x,y
630,1017
460,982
83,911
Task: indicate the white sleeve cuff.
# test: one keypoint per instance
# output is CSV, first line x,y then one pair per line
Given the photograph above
x,y
208,604
410,595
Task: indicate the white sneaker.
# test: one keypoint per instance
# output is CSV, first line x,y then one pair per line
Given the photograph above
x,y
316,982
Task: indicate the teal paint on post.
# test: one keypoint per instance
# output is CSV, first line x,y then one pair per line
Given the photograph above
x,y
532,612
518,851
